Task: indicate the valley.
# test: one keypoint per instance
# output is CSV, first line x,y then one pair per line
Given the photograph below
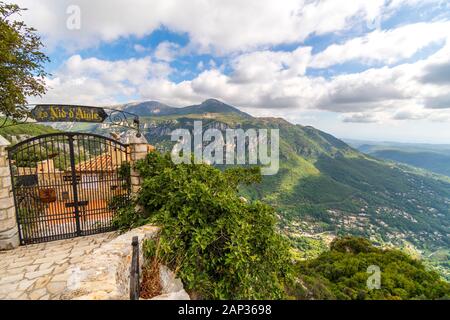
x,y
431,157
324,186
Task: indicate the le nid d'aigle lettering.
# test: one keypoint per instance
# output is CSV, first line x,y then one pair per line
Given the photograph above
x,y
69,113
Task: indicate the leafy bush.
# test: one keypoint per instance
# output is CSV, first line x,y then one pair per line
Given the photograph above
x,y
221,246
341,273
224,247
124,173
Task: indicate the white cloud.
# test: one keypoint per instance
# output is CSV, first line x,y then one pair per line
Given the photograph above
x,y
411,113
396,93
384,46
262,66
261,78
139,48
221,26
265,80
360,117
276,80
166,51
268,80
174,94
95,81
200,65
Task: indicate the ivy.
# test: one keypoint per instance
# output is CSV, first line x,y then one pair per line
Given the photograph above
x,y
224,247
221,246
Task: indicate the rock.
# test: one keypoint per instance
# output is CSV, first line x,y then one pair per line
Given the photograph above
x,y
171,287
42,282
25,284
37,294
178,295
243,199
105,273
168,281
38,274
56,287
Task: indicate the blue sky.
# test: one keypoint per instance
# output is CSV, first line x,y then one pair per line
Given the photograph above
x,y
367,69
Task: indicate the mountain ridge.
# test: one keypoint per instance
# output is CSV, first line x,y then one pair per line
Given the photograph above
x,y
434,158
153,107
326,187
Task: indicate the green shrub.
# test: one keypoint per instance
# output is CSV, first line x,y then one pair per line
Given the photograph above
x,y
221,246
341,273
224,247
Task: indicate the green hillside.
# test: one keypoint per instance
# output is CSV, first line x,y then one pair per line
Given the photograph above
x,y
427,160
324,180
28,129
225,248
326,188
435,158
341,273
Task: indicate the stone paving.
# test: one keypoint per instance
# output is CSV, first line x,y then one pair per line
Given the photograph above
x,y
40,271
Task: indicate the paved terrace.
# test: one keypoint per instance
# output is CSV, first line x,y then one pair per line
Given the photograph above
x,y
40,271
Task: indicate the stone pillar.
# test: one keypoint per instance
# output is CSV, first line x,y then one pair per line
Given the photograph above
x,y
139,148
9,234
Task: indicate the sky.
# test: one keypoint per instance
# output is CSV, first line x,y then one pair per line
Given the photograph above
x,y
360,69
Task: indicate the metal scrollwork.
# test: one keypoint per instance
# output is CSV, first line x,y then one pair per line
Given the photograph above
x,y
120,118
8,121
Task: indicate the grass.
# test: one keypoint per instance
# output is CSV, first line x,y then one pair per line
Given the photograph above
x,y
31,129
151,281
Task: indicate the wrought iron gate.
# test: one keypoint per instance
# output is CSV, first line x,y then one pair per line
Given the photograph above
x,y
67,185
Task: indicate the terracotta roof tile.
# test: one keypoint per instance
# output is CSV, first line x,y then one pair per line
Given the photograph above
x,y
100,163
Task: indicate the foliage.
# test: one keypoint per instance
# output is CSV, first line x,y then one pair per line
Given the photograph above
x,y
306,247
221,246
439,261
333,188
29,129
323,181
341,273
126,217
122,201
124,174
225,248
21,63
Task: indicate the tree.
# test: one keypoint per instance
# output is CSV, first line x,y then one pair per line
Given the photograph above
x,y
220,245
22,72
342,273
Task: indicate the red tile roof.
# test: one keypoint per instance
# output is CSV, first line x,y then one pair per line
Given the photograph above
x,y
100,163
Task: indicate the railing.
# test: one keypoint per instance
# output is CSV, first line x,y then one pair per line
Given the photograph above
x,y
134,270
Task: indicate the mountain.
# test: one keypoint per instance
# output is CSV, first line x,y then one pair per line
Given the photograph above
x,y
211,106
148,108
435,158
15,133
325,187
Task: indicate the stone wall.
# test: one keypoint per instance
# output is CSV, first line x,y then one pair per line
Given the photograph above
x,y
171,287
139,148
105,273
9,235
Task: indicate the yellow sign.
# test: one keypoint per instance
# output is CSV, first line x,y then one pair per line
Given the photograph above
x,y
68,113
